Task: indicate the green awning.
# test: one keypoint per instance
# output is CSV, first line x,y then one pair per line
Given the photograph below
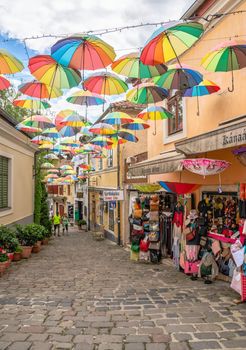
x,y
149,188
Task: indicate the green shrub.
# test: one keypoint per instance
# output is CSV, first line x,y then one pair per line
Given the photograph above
x,y
8,239
3,257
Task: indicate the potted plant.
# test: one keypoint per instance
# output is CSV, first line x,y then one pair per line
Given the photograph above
x,y
17,253
3,262
36,233
83,224
26,239
8,241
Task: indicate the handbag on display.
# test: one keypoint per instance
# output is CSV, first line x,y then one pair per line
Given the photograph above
x,y
154,215
154,236
192,267
137,227
137,232
144,245
154,245
136,239
137,213
135,247
154,226
144,256
146,227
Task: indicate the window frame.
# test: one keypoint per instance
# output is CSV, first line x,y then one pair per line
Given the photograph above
x,y
9,209
174,101
110,159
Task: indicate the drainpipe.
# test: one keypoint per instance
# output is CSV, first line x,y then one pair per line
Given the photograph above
x,y
118,187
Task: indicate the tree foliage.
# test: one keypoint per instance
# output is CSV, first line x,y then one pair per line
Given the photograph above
x,y
6,98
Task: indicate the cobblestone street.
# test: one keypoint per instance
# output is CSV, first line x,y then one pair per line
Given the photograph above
x,y
78,293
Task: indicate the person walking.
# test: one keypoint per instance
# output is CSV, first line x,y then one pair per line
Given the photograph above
x,y
56,223
65,223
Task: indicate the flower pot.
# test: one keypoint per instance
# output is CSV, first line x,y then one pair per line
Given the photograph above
x,y
17,256
36,248
7,263
2,268
26,252
11,256
45,241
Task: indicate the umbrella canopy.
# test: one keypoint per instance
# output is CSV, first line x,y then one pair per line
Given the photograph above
x,y
39,90
127,136
204,166
86,98
146,93
31,104
69,172
71,141
206,87
155,113
105,84
170,41
38,121
118,118
131,66
51,156
48,71
179,78
68,131
51,176
74,120
4,83
26,128
116,141
46,145
38,140
138,124
101,141
47,165
9,64
103,129
61,115
49,171
61,148
228,56
84,52
51,132
178,187
66,167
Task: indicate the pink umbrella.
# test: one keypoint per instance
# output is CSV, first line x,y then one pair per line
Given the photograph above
x,y
204,166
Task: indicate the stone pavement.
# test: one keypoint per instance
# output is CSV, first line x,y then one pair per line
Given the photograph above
x,y
78,293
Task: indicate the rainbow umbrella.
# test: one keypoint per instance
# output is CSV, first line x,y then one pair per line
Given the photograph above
x,y
51,132
99,156
74,120
69,172
4,83
47,165
70,141
170,41
228,56
61,115
146,93
66,167
206,87
31,104
131,66
61,148
86,98
50,72
38,140
38,121
127,136
48,145
51,156
9,64
39,90
49,171
155,113
118,118
138,124
178,187
103,129
101,141
26,128
68,131
84,52
179,78
51,176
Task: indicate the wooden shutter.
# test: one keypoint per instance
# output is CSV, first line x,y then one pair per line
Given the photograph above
x,y
4,166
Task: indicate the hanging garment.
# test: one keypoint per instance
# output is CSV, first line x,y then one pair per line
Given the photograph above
x,y
175,250
191,252
166,233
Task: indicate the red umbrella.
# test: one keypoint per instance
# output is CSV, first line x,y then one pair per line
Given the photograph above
x,y
4,83
178,187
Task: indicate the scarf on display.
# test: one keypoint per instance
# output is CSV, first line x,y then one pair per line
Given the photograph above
x,y
244,261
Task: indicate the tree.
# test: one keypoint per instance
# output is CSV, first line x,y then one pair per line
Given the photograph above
x,y
6,98
44,210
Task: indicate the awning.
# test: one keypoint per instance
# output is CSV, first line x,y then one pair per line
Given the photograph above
x,y
148,188
228,135
164,163
179,187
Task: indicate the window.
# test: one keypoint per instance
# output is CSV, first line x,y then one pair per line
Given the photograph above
x,y
68,190
100,164
175,106
4,182
111,217
61,190
101,211
110,158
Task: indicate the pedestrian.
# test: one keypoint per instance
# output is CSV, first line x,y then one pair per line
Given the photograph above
x,y
56,223
65,223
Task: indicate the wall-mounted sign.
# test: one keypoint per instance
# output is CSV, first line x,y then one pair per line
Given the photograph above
x,y
113,195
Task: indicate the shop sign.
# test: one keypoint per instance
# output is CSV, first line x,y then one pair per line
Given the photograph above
x,y
113,195
234,138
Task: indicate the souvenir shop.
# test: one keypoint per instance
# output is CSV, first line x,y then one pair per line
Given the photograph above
x,y
203,231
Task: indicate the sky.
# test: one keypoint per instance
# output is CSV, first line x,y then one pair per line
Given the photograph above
x,y
28,18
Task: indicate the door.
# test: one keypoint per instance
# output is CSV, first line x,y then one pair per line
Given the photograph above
x,y
61,209
93,214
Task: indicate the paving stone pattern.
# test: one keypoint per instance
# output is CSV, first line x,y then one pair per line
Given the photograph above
x,y
82,294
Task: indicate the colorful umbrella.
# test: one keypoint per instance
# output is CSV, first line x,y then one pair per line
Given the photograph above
x,y
49,171
84,52
9,64
131,66
51,176
118,118
26,128
38,140
179,78
51,156
48,71
170,41
46,145
31,104
228,56
204,166
68,131
61,115
138,124
47,166
38,121
70,141
86,98
101,141
51,132
116,142
206,87
127,136
155,113
146,93
39,90
66,167
103,129
69,172
4,83
74,120
178,187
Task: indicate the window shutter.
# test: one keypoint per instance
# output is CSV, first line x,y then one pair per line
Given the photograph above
x,y
4,165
